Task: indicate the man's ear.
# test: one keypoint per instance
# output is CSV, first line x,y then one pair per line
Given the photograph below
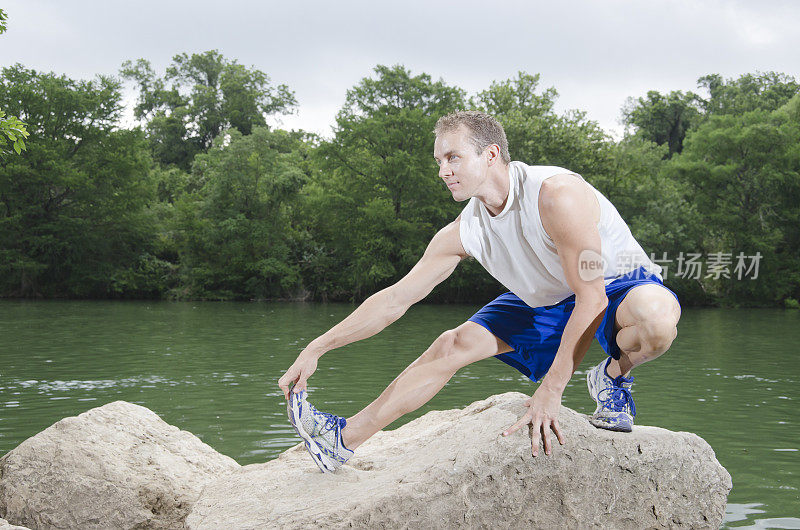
x,y
492,154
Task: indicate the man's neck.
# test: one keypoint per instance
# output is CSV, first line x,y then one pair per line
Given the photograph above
x,y
496,194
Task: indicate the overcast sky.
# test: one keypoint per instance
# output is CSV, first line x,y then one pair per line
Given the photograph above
x,y
595,53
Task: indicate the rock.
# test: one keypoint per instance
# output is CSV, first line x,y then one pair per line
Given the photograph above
x,y
452,468
5,525
115,466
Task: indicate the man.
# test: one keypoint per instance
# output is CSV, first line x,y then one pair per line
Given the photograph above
x,y
574,271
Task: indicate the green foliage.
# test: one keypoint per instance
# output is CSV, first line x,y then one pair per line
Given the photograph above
x,y
663,119
657,207
13,132
72,209
234,210
234,235
666,119
200,96
759,91
742,172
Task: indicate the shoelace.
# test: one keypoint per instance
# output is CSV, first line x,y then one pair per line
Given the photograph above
x,y
619,397
331,420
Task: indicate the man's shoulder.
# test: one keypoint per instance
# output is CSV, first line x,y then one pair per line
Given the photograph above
x,y
545,179
540,169
447,241
538,175
562,184
564,197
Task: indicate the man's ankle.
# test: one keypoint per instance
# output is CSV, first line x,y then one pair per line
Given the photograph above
x,y
348,442
613,369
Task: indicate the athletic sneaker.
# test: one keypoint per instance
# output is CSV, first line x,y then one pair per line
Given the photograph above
x,y
615,407
321,432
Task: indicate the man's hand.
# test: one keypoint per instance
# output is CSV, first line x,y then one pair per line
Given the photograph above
x,y
299,372
543,408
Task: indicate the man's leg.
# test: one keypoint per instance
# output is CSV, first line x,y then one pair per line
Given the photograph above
x,y
423,379
645,323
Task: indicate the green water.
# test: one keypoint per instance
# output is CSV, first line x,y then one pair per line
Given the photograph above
x,y
731,376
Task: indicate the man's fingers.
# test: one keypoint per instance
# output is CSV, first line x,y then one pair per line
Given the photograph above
x,y
284,387
535,437
286,380
514,427
546,438
557,430
522,421
301,383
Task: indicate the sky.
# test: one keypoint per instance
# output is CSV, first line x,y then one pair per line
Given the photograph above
x,y
595,53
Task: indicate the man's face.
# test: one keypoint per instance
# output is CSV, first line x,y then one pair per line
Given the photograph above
x,y
460,167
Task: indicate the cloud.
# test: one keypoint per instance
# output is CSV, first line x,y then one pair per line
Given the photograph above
x,y
596,54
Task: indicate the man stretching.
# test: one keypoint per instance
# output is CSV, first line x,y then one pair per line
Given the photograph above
x,y
573,270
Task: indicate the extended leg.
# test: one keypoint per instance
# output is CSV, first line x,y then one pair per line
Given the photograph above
x,y
423,379
646,323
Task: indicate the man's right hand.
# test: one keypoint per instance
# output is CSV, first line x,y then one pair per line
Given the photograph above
x,y
298,373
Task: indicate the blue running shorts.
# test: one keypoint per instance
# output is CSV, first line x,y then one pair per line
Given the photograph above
x,y
535,332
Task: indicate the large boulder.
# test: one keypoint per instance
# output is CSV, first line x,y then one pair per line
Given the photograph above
x,y
115,466
452,468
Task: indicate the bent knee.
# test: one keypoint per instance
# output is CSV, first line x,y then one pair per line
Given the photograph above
x,y
445,344
452,346
449,343
657,335
648,302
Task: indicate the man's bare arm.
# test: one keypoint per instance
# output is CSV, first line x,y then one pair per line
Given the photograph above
x,y
443,254
384,307
570,216
569,212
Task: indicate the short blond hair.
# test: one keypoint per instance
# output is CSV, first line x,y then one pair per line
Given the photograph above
x,y
484,130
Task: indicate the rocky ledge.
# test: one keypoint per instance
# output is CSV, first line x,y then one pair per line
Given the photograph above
x,y
121,466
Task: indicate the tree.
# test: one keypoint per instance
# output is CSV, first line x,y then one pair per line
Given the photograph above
x,y
72,210
760,91
741,168
659,209
663,119
235,234
199,96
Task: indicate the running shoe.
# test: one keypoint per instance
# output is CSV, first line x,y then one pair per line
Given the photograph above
x,y
321,432
615,408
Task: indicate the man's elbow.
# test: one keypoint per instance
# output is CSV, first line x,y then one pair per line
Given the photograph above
x,y
596,302
396,304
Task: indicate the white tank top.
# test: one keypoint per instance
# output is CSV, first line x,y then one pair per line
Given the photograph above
x,y
514,247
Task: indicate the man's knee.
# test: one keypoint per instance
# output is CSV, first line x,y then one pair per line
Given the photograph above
x,y
654,313
452,348
657,333
647,302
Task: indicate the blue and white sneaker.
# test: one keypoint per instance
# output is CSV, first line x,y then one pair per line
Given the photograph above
x,y
615,408
321,432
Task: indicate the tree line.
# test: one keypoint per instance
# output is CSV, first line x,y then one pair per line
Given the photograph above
x,y
205,200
